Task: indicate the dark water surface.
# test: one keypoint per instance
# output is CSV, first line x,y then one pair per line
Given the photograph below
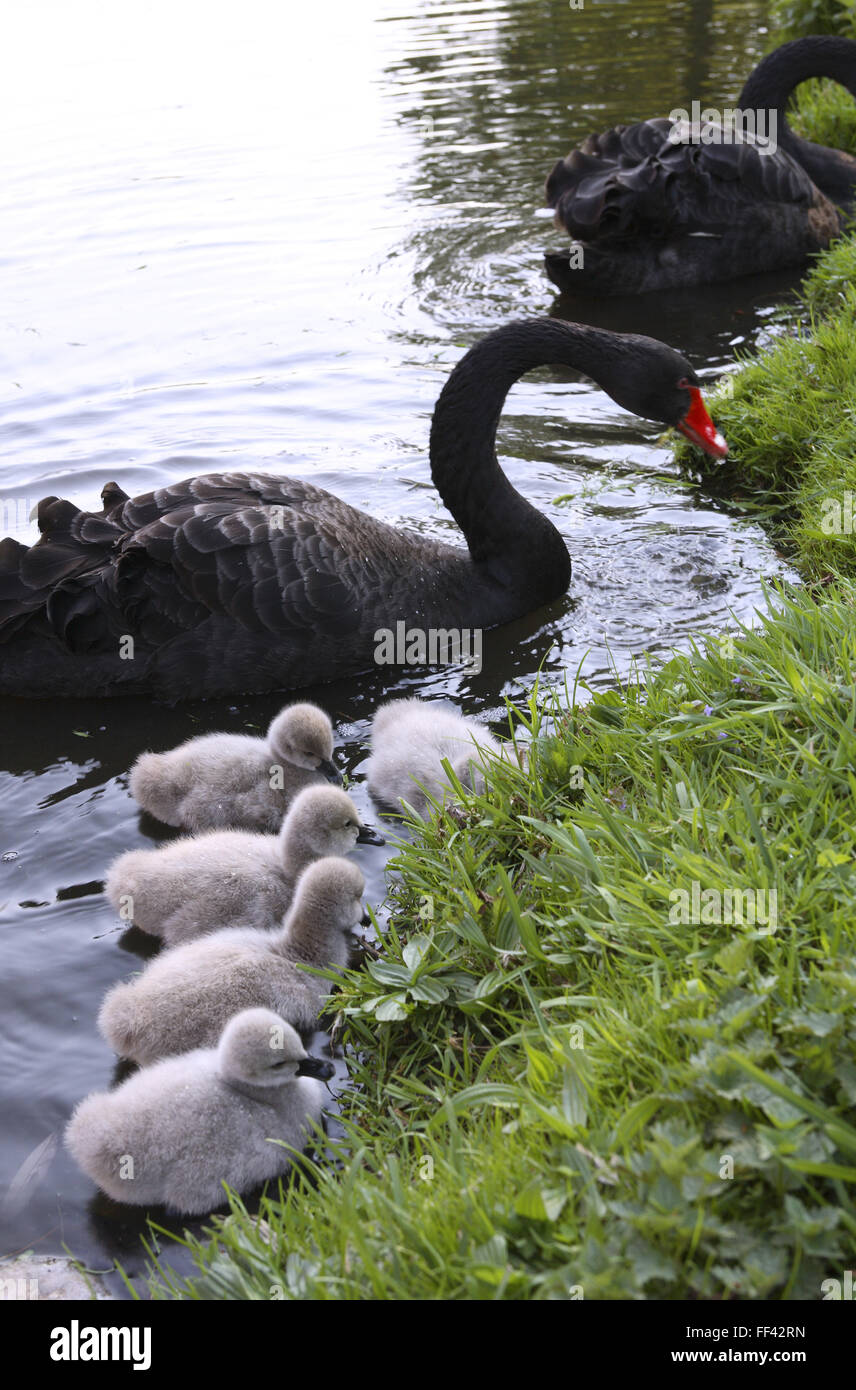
x,y
261,235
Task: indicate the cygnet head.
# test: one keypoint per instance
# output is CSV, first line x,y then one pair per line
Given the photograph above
x,y
323,821
468,772
303,735
331,890
259,1048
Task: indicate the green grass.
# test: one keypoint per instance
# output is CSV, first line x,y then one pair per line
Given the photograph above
x,y
792,19
826,114
612,1101
789,416
789,413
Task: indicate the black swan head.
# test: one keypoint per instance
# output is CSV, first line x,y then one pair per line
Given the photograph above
x,y
513,545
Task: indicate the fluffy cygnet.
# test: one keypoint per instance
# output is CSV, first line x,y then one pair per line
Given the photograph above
x,y
173,1133
223,781
409,741
230,878
183,998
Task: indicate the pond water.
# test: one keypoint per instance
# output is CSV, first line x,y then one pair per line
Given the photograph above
x,y
261,235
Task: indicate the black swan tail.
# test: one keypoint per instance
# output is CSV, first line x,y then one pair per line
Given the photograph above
x,y
51,581
16,600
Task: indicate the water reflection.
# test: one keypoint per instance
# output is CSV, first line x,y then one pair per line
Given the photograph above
x,y
495,94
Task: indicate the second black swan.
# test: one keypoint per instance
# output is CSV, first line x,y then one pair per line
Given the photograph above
x,y
652,206
246,582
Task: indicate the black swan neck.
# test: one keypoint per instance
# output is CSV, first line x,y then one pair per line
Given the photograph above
x,y
769,89
503,531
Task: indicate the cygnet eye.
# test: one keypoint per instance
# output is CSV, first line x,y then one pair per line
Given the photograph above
x,y
276,1065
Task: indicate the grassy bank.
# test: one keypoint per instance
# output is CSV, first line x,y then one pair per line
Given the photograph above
x,y
790,422
609,1050
788,414
562,1086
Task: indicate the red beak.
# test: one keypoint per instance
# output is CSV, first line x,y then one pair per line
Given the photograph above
x,y
700,429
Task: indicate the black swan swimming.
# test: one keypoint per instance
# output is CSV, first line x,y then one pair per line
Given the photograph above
x,y
650,214
243,582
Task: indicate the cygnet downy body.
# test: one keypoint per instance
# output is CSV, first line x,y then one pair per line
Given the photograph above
x,y
235,781
173,1133
231,878
184,997
409,741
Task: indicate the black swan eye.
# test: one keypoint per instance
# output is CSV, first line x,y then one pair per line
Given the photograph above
x,y
684,384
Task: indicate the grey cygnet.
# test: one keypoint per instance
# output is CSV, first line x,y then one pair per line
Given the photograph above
x,y
173,1133
410,739
236,781
183,998
231,878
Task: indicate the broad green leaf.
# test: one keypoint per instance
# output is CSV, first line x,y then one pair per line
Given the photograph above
x,y
489,984
635,1119
416,950
428,990
392,1009
388,973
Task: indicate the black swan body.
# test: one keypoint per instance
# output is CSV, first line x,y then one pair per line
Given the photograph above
x,y
244,582
650,212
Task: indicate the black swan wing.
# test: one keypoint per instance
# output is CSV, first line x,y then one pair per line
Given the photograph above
x,y
270,571
272,555
634,182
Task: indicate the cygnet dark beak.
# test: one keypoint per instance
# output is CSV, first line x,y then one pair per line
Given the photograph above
x,y
365,920
317,1067
369,836
330,771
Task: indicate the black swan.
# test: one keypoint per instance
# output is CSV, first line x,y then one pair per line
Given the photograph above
x,y
650,213
245,582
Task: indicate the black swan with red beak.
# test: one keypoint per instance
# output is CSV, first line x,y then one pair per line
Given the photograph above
x,y
243,582
664,203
